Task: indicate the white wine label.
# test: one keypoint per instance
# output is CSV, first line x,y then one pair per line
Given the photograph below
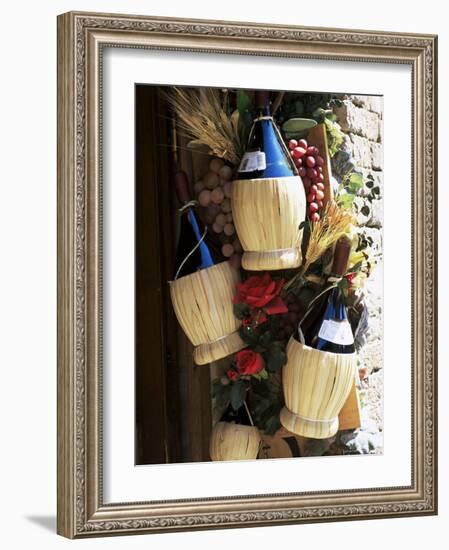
x,y
337,332
252,161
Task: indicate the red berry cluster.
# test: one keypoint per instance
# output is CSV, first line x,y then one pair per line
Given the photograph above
x,y
310,167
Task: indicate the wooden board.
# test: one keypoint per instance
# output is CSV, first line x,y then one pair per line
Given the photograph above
x,y
158,429
317,136
349,417
195,412
173,417
283,444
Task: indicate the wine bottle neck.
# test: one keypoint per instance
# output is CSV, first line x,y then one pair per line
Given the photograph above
x,y
262,102
188,206
339,305
264,113
196,253
262,117
266,155
341,258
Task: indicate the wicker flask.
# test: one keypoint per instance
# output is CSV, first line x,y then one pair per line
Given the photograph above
x,y
318,377
268,199
202,295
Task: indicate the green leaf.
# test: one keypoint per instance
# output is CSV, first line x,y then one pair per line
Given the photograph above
x,y
275,358
221,400
356,179
249,336
238,392
357,266
346,200
298,126
265,339
320,115
334,136
343,284
305,297
272,425
260,389
220,394
263,374
217,388
241,311
243,101
353,182
261,404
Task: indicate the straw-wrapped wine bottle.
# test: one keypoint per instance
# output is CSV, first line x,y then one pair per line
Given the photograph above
x,y
319,373
328,327
266,155
268,198
203,287
235,437
194,250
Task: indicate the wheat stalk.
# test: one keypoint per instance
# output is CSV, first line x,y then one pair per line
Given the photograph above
x,y
201,117
324,233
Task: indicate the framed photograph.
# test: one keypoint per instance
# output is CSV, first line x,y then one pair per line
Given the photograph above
x,y
247,322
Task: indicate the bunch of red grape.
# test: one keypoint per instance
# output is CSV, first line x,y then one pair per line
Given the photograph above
x,y
213,192
310,167
289,321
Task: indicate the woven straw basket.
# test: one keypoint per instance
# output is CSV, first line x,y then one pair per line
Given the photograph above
x,y
231,441
203,306
316,385
267,214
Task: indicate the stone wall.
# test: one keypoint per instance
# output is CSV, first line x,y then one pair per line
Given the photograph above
x,y
361,119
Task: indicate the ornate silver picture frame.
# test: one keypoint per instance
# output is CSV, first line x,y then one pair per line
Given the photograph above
x,y
82,39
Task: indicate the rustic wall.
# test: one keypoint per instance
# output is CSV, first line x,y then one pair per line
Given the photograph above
x,y
360,118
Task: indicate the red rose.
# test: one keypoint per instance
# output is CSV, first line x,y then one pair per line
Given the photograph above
x,y
249,362
261,292
232,375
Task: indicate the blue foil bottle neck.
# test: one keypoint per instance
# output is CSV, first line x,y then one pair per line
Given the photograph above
x,y
206,257
277,163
